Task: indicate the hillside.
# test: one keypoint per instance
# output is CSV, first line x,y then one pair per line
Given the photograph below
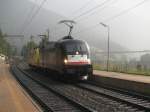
x,y
13,17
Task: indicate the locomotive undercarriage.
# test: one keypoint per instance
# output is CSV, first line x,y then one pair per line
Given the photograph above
x,y
82,72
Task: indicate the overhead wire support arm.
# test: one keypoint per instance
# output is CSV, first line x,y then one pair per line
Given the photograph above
x,y
14,36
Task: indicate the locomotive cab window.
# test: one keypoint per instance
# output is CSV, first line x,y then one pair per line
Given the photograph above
x,y
76,47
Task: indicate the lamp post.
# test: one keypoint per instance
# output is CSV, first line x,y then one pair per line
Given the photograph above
x,y
108,30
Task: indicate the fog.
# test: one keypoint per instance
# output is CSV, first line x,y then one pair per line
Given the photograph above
x,y
129,24
130,29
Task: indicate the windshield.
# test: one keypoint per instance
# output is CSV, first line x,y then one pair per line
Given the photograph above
x,y
73,47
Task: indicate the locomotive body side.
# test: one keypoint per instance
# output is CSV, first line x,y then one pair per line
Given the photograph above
x,y
69,57
52,57
34,57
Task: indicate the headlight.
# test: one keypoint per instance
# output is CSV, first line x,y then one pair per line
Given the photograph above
x,y
89,61
65,61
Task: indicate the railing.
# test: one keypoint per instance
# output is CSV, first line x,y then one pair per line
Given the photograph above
x,y
136,62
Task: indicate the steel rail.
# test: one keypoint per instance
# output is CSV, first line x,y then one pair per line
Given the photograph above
x,y
135,102
73,102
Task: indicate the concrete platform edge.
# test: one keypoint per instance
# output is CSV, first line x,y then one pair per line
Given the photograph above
x,y
139,87
37,106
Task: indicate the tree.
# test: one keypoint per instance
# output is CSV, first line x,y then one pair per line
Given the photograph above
x,y
5,47
139,67
145,61
27,48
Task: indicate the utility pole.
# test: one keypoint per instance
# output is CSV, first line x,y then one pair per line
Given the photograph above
x,y
48,33
108,42
31,38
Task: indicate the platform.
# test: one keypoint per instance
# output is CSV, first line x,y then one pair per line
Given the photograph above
x,y
12,96
131,82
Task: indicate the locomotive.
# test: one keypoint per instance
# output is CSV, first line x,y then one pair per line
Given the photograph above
x,y
68,56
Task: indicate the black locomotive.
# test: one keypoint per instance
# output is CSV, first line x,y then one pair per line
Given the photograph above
x,y
68,56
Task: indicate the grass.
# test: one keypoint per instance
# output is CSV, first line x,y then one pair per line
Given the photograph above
x,y
132,71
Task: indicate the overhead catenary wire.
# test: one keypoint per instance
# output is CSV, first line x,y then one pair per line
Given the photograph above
x,y
89,15
88,11
126,11
115,16
34,15
28,16
82,7
76,11
126,52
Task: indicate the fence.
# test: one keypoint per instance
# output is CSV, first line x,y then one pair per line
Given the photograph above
x,y
123,61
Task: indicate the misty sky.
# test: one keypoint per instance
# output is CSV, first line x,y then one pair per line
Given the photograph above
x,y
131,29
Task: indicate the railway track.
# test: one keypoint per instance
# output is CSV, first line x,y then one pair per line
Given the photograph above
x,y
97,99
50,100
140,102
119,90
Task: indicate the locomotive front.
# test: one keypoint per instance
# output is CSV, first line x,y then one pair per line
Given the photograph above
x,y
77,61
